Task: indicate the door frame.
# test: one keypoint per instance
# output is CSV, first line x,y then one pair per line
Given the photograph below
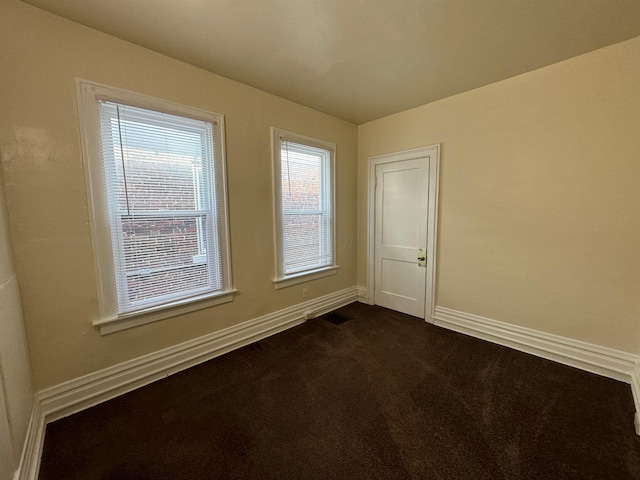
x,y
433,152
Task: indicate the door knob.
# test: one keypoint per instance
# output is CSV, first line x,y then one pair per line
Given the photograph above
x,y
422,257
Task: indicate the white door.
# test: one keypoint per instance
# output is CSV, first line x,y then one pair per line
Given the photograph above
x,y
401,220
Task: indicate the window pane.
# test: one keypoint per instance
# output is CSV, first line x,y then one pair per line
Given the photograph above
x,y
164,285
301,242
164,255
301,181
159,182
154,166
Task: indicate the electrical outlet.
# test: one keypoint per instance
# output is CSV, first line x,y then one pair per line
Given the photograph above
x,y
304,293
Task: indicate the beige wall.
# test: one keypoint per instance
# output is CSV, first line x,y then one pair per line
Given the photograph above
x,y
539,218
16,391
41,55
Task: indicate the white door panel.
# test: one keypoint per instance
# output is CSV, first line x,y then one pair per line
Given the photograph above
x,y
398,206
393,275
401,214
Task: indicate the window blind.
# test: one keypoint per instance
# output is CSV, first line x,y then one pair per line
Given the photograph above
x,y
164,204
307,223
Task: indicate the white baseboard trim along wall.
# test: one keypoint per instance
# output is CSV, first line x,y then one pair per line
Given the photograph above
x,y
363,295
592,358
603,361
635,390
78,394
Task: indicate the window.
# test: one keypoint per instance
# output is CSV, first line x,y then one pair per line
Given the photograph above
x,y
304,207
155,173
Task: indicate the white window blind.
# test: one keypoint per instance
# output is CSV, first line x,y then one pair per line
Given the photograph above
x,y
305,205
163,188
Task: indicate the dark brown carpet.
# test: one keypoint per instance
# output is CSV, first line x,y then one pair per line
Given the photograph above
x,y
379,396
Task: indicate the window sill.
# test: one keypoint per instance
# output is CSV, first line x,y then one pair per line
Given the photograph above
x,y
302,277
161,312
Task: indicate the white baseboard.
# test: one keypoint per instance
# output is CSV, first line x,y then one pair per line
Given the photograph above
x,y
78,394
635,391
363,295
592,358
30,460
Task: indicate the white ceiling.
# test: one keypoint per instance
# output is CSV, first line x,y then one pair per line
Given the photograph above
x,y
362,59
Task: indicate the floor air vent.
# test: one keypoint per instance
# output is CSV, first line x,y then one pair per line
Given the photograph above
x,y
335,318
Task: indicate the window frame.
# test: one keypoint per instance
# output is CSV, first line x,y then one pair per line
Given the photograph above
x,y
109,320
282,280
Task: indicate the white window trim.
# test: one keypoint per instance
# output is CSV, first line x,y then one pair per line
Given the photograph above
x,y
108,319
161,312
297,278
281,280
